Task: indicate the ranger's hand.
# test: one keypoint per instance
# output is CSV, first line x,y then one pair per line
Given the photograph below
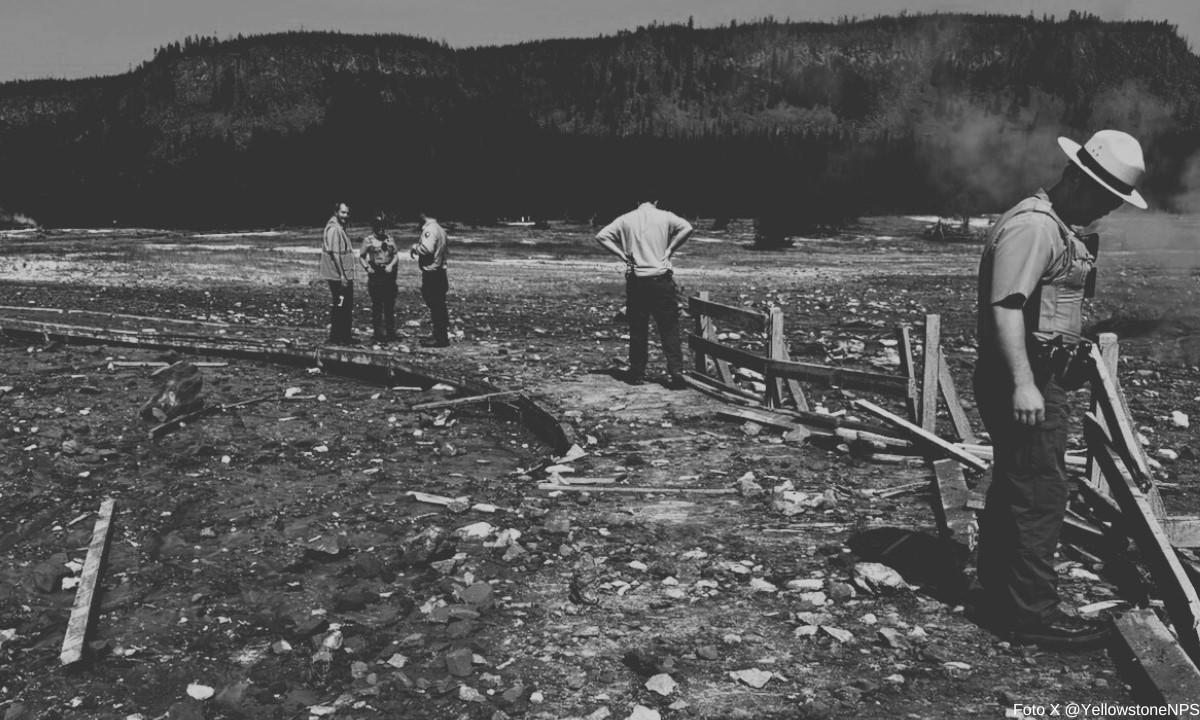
x,y
1028,406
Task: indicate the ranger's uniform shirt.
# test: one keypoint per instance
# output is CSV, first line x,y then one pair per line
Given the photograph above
x,y
432,249
378,252
1033,260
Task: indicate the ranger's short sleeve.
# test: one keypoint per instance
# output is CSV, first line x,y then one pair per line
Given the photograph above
x,y
611,232
1022,254
677,223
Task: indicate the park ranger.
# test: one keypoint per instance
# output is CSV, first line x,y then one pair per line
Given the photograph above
x,y
1035,272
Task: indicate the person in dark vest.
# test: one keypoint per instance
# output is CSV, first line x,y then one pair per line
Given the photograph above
x,y
379,260
337,269
431,252
1034,275
645,240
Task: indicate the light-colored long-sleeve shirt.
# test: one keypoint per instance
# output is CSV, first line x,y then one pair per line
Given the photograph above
x,y
645,236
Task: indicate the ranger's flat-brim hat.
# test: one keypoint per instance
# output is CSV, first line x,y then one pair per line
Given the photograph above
x,y
1113,159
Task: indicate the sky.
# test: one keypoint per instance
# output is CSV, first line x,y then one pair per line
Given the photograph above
x,y
81,38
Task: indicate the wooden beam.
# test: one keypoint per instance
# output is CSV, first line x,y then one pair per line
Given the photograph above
x,y
1161,673
933,441
158,430
1110,351
82,619
762,418
740,318
466,400
731,355
931,373
958,416
1124,439
713,386
955,522
707,330
1179,595
627,489
1183,530
893,385
911,401
794,386
776,350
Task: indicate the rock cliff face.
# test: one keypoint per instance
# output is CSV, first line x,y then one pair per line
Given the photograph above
x,y
861,98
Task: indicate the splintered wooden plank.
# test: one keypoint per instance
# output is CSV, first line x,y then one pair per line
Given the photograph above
x,y
794,386
1183,530
85,597
1180,596
778,351
930,373
466,400
962,426
1163,672
911,400
1110,351
955,522
930,440
626,489
780,422
1124,439
730,355
893,385
707,330
740,318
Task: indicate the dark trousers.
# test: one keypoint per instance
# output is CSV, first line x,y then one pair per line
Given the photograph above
x,y
1026,503
381,286
341,311
434,286
646,297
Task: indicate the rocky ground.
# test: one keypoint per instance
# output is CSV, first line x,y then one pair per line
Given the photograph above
x,y
267,562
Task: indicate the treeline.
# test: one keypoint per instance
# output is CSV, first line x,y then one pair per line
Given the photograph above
x,y
799,123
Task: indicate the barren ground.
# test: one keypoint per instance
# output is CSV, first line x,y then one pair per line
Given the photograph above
x,y
271,554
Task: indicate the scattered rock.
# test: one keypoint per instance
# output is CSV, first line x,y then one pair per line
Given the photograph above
x,y
458,662
748,487
878,578
641,712
753,677
662,684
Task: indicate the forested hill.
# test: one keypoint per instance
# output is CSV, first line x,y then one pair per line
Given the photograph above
x,y
915,113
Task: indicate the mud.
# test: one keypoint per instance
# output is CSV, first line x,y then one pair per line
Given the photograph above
x,y
272,555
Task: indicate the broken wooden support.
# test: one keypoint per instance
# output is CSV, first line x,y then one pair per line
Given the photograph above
x,y
741,318
934,442
1183,530
987,453
158,430
912,401
160,364
776,349
703,311
773,420
466,400
564,480
438,499
1179,594
628,489
730,355
958,416
931,373
545,424
82,619
1124,439
955,522
1110,352
1163,673
884,384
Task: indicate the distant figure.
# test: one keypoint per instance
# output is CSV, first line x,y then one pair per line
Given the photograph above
x,y
431,251
1035,273
645,239
379,259
337,266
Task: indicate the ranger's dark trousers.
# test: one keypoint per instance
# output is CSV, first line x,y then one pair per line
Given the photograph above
x,y
645,297
1026,503
381,286
434,286
341,311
